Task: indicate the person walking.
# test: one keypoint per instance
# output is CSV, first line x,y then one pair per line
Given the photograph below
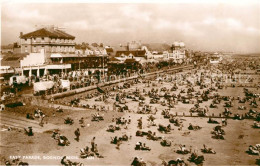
x,y
93,144
77,134
41,120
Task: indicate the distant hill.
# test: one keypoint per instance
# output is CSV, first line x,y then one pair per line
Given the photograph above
x,y
257,55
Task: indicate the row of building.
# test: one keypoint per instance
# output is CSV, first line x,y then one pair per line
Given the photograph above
x,y
51,50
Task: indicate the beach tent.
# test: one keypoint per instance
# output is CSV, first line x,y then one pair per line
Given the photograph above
x,y
42,86
18,80
65,84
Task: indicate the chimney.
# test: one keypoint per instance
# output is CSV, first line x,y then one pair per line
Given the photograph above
x,y
21,34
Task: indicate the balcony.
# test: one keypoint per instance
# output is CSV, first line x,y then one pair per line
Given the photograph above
x,y
52,43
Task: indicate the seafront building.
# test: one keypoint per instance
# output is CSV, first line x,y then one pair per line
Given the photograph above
x,y
52,50
177,53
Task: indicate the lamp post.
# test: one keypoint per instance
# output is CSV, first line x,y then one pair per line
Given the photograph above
x,y
79,61
103,68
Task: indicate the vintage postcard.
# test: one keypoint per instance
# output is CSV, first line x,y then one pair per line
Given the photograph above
x,y
138,83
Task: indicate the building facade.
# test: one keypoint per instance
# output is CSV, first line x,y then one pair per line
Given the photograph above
x,y
177,53
52,40
42,45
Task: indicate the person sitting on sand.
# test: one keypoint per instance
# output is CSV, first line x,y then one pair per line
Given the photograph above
x,y
115,140
179,160
113,118
197,105
62,140
135,162
183,148
55,134
138,145
29,131
96,150
64,161
144,146
37,113
82,122
86,149
29,116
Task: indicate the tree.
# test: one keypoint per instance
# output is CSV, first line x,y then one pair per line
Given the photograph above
x,y
83,45
94,44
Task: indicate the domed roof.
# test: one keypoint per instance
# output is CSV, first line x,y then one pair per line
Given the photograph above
x,y
176,44
182,44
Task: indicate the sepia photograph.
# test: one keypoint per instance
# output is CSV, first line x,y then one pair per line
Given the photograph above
x,y
130,83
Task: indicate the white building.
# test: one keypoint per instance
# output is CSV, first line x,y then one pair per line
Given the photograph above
x,y
178,52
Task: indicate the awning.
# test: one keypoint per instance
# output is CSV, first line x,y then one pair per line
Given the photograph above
x,y
56,56
66,55
58,66
42,86
4,67
65,84
62,66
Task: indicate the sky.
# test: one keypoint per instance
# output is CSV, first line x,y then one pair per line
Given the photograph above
x,y
206,26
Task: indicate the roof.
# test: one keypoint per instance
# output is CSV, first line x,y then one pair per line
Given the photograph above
x,y
130,61
113,59
47,32
160,47
13,60
137,53
109,50
94,55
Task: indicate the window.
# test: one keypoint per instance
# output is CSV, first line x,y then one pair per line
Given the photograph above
x,y
53,49
58,49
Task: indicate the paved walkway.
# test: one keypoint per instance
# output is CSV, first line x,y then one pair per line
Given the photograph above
x,y
20,123
92,87
68,107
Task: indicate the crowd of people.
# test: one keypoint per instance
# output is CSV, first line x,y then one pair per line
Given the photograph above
x,y
202,93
